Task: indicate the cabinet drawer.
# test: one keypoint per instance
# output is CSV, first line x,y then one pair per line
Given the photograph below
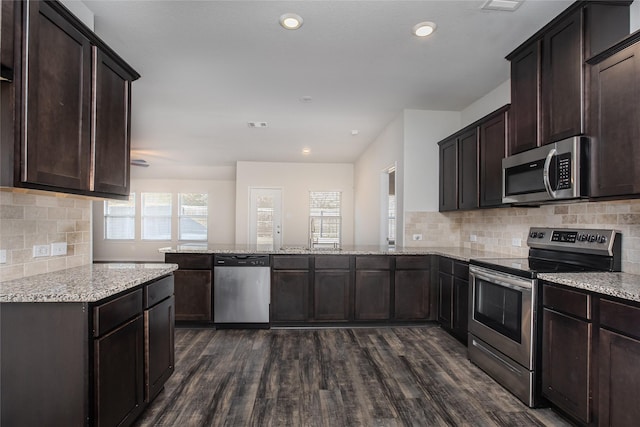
x,y
157,291
336,262
461,270
445,265
620,317
113,313
373,262
415,262
190,261
290,262
566,301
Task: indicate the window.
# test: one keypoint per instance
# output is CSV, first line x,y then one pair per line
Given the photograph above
x,y
325,222
156,216
192,212
119,219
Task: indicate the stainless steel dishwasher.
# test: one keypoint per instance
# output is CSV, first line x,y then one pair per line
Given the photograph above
x,y
241,290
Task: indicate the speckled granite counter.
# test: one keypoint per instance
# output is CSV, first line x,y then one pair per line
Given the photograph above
x,y
621,285
88,283
459,253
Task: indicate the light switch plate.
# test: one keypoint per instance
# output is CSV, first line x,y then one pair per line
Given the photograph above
x,y
3,256
59,248
516,242
473,238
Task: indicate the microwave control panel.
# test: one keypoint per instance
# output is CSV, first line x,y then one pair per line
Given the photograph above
x,y
564,171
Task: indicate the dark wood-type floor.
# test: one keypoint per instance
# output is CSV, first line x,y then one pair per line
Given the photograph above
x,y
400,376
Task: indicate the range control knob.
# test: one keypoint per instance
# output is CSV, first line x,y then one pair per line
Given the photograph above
x,y
533,234
592,237
582,237
602,239
541,235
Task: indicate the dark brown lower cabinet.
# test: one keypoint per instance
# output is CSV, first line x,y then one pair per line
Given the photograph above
x,y
445,300
460,308
372,295
194,295
619,364
331,295
412,294
159,328
119,374
566,363
290,295
193,287
453,297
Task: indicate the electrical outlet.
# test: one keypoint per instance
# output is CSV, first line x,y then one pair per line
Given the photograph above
x,y
516,242
59,248
473,238
417,237
40,251
3,256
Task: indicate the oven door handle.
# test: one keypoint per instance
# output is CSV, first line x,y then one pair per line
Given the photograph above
x,y
545,173
501,280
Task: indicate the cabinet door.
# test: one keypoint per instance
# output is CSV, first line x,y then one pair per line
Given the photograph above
x,y
159,323
523,117
449,175
445,300
290,295
468,170
562,80
57,100
119,375
615,148
566,353
110,139
460,315
193,295
493,140
372,295
619,380
412,294
331,294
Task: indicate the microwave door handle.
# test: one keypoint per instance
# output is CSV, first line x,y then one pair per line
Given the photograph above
x,y
545,173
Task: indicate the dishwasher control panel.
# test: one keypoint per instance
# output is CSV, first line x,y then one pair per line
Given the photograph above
x,y
241,260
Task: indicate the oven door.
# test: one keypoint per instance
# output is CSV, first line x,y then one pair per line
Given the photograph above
x,y
501,313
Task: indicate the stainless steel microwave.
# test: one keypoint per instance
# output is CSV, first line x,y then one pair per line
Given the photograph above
x,y
552,172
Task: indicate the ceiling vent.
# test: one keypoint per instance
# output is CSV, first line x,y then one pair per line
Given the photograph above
x,y
257,125
504,5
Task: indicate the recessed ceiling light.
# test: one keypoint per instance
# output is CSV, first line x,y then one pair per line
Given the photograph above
x,y
354,132
424,29
291,21
506,5
306,151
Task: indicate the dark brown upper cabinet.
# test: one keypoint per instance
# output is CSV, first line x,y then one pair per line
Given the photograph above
x,y
613,123
471,164
68,107
548,73
458,171
492,149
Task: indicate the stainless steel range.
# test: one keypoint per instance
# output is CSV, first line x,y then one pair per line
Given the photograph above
x,y
504,301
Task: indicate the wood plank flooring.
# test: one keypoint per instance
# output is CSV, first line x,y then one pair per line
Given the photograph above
x,y
397,376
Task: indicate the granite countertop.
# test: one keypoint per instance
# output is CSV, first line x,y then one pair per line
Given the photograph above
x,y
620,285
459,253
87,283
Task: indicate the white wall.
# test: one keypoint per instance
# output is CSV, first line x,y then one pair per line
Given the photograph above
x,y
295,180
493,100
221,219
384,152
81,11
422,131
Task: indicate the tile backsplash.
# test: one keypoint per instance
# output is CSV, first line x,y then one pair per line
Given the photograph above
x,y
496,229
28,219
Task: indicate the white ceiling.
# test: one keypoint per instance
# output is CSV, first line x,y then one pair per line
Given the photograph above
x,y
209,67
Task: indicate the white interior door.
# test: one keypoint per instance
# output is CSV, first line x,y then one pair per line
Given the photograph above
x,y
265,217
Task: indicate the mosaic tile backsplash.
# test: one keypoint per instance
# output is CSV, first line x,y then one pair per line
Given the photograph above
x,y
32,219
496,229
